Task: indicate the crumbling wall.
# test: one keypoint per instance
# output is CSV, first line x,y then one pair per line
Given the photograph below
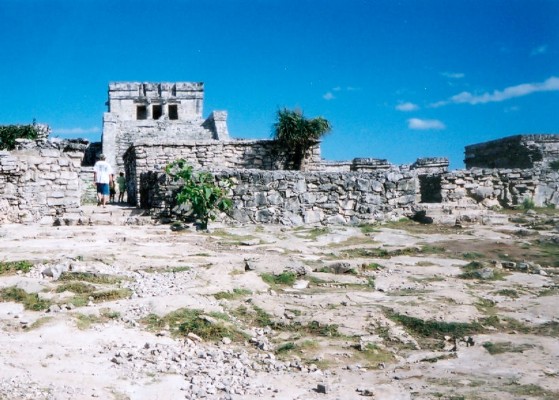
x,y
502,187
152,155
520,151
38,184
294,198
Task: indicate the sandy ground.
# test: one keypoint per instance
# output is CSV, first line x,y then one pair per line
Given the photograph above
x,y
345,285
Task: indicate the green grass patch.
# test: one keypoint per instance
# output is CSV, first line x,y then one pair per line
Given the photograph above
x,y
532,390
376,355
30,301
12,267
369,228
312,233
184,320
285,347
84,321
283,279
472,255
91,277
235,294
513,294
372,267
436,329
505,347
75,287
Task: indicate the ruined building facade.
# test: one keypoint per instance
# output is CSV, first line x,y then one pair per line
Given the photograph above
x,y
159,112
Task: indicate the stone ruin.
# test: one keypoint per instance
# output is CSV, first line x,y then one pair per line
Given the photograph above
x,y
149,125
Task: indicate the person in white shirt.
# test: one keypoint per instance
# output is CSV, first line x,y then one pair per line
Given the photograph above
x,y
103,176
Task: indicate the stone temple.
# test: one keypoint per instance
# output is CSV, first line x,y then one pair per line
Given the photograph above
x,y
167,111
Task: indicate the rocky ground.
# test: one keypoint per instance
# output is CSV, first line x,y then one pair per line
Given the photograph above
x,y
121,308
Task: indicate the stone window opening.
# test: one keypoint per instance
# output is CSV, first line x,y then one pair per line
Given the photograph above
x,y
430,189
141,112
173,111
157,111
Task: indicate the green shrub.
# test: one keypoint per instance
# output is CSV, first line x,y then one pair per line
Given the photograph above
x,y
285,278
554,165
199,191
528,204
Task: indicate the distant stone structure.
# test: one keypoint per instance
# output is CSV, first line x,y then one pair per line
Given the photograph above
x,y
157,111
519,151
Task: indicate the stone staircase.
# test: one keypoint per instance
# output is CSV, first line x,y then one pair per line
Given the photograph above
x,y
112,214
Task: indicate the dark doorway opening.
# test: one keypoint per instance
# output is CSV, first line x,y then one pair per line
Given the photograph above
x,y
173,111
157,111
430,189
141,112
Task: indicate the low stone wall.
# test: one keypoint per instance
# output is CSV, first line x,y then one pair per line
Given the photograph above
x,y
502,187
147,156
39,183
295,198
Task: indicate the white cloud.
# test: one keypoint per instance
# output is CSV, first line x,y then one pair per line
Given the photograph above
x,y
524,89
539,50
76,131
425,124
338,89
453,75
407,107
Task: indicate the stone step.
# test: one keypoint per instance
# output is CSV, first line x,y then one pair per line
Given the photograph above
x,y
111,214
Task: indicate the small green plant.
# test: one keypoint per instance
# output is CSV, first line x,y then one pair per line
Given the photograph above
x,y
285,347
372,267
235,294
528,204
11,267
199,191
554,165
284,279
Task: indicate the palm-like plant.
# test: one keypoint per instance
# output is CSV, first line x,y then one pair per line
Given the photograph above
x,y
296,134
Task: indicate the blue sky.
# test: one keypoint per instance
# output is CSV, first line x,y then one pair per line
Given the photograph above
x,y
396,79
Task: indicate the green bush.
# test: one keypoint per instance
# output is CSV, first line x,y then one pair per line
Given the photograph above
x,y
528,204
554,165
199,191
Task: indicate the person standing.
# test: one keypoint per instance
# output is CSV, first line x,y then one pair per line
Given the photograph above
x,y
103,176
121,180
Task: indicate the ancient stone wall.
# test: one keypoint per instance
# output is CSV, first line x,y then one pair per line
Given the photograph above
x,y
502,187
291,197
151,155
520,151
38,184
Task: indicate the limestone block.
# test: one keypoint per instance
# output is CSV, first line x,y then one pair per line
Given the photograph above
x,y
312,216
